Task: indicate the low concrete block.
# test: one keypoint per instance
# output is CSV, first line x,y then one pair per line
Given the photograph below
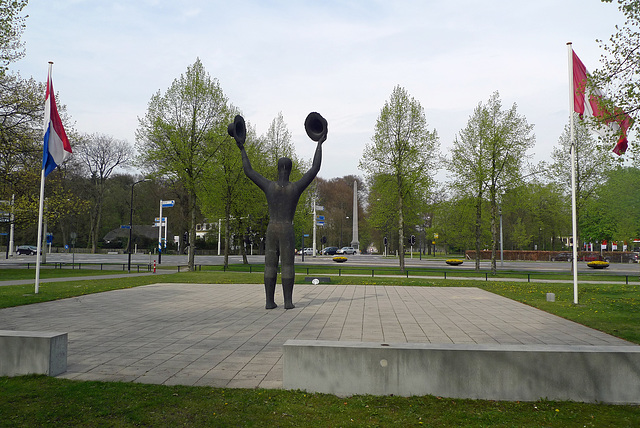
x,y
32,352
608,374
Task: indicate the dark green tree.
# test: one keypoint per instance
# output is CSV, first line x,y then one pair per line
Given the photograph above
x,y
182,131
12,24
488,158
402,156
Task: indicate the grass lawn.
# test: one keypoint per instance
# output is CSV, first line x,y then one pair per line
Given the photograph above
x,y
50,272
41,401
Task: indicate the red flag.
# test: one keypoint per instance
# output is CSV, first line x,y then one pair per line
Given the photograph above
x,y
590,103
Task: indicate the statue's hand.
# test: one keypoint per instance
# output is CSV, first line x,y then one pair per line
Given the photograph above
x,y
238,131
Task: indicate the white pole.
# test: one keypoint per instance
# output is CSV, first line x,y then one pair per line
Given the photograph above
x,y
12,227
40,216
574,220
219,234
355,243
501,241
166,226
314,227
160,232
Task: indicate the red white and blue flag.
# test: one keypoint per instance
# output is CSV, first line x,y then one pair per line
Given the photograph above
x,y
589,103
56,143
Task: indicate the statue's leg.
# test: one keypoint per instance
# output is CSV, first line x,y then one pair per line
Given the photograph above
x,y
288,270
270,271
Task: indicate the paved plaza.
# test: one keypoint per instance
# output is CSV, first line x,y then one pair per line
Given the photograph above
x,y
221,335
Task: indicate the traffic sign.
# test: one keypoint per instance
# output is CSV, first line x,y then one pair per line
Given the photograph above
x,y
319,223
321,217
168,204
319,208
125,226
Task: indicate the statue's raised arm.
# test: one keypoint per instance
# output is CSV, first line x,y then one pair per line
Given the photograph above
x,y
317,129
238,131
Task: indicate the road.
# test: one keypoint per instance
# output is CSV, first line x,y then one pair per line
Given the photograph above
x,y
361,260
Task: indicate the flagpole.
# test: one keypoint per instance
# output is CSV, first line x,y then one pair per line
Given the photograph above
x,y
40,217
574,222
41,204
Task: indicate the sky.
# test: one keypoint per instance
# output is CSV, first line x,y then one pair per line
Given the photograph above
x,y
339,58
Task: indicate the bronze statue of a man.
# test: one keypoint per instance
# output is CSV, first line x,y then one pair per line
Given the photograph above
x,y
282,199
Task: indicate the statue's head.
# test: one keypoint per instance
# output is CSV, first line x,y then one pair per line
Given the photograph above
x,y
284,168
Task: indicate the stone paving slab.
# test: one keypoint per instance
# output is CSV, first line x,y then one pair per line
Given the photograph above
x,y
221,335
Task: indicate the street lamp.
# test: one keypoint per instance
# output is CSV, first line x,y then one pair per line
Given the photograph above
x,y
131,222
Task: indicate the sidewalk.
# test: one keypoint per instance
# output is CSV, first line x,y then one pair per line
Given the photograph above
x,y
221,335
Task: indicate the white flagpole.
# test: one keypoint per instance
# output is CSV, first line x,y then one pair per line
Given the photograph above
x,y
40,216
41,204
574,215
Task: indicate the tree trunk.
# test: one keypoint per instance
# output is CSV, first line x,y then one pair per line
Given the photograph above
x,y
478,229
94,246
494,230
243,244
92,229
243,250
192,233
227,229
227,237
400,234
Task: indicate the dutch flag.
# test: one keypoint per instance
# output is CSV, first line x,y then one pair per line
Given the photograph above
x,y
56,143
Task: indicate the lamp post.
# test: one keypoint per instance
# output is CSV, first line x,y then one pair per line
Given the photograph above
x,y
131,222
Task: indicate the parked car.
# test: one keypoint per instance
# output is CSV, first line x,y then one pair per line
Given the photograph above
x,y
29,250
308,251
330,251
347,250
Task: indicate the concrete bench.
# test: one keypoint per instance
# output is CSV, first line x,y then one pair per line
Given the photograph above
x,y
319,278
607,374
32,352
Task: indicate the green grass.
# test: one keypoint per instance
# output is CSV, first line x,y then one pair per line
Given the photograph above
x,y
42,401
430,272
17,295
50,272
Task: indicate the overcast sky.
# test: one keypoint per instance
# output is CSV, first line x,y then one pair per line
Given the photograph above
x,y
340,58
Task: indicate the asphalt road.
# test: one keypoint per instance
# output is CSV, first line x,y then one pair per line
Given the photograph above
x,y
363,260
